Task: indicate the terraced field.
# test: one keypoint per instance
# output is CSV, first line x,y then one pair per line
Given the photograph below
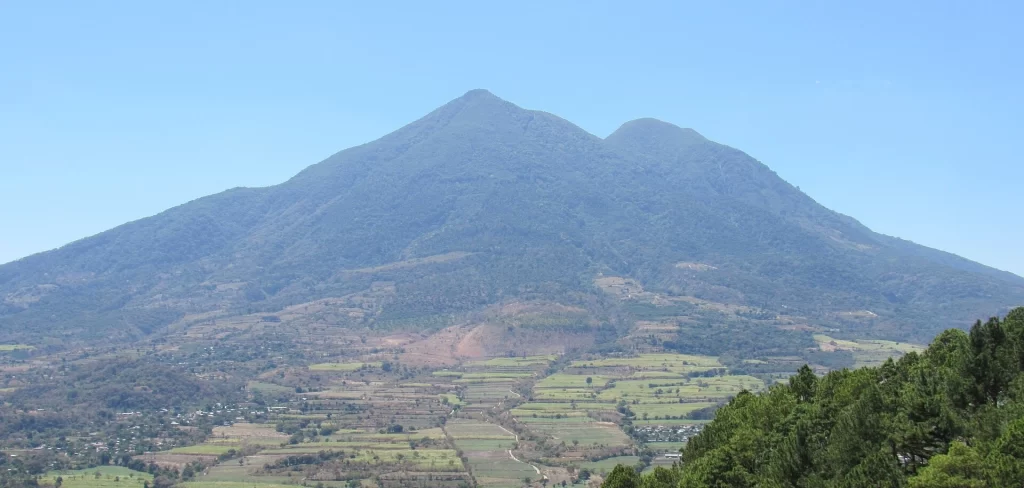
x,y
488,384
375,406
367,424
867,352
581,432
582,404
343,367
488,448
468,434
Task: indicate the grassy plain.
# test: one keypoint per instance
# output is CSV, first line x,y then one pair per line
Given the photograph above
x,y
606,465
110,477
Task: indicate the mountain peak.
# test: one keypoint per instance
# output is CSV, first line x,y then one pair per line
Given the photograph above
x,y
654,130
477,105
480,204
655,138
479,93
482,99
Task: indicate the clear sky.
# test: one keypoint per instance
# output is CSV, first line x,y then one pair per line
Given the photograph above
x,y
905,115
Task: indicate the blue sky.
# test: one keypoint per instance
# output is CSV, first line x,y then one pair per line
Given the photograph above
x,y
904,115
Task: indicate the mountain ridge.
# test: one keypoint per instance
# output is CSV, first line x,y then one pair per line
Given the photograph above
x,y
534,200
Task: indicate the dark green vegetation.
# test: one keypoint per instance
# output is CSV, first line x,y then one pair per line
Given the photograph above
x,y
481,202
952,416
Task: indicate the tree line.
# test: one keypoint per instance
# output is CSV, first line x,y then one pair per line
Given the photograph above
x,y
951,416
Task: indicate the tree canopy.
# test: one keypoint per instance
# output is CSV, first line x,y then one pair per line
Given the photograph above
x,y
952,416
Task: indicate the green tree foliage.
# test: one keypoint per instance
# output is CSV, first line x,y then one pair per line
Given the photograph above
x,y
952,416
622,477
660,478
961,467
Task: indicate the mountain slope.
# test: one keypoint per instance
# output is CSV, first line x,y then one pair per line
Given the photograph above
x,y
481,202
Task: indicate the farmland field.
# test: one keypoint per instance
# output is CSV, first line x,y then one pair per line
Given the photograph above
x,y
665,447
509,418
110,477
579,405
513,361
867,352
233,484
214,449
342,367
492,422
652,361
15,347
606,465
585,431
487,447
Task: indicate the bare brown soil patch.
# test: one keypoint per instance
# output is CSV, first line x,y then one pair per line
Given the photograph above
x,y
438,349
474,344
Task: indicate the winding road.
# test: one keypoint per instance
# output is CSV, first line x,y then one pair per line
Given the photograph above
x,y
513,456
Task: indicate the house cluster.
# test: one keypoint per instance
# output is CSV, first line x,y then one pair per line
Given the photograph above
x,y
221,414
668,433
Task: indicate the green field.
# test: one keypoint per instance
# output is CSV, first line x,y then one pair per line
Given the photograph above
x,y
559,407
500,472
342,367
486,444
473,429
578,381
606,465
564,394
663,447
513,362
667,410
446,373
582,430
15,347
110,477
660,389
665,361
452,398
513,375
867,352
488,379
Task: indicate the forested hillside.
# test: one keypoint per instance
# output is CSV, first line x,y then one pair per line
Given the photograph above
x,y
482,203
952,416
